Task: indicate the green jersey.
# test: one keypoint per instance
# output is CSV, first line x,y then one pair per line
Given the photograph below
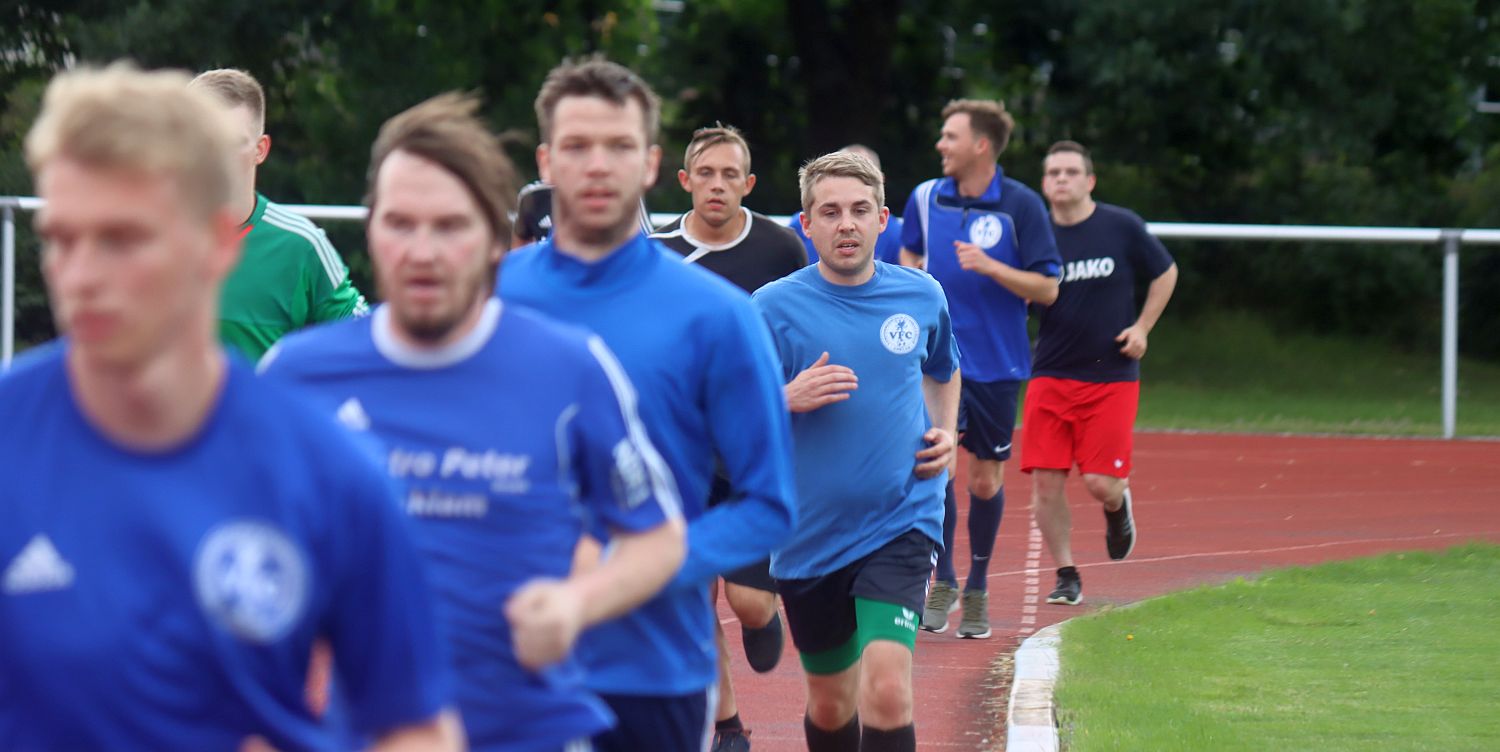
x,y
289,276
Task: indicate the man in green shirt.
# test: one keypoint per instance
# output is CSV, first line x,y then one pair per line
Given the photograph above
x,y
289,275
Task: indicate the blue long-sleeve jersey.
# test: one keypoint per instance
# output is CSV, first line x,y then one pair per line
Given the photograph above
x,y
709,385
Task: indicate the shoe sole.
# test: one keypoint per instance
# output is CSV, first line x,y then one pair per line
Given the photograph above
x,y
974,636
1065,601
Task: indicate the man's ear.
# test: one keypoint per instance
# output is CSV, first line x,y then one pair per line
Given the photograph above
x,y
749,183
544,163
262,148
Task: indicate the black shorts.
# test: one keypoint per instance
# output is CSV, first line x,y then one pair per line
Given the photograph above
x,y
670,723
820,610
987,417
757,575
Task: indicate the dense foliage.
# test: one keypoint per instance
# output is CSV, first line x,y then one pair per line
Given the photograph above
x,y
1279,111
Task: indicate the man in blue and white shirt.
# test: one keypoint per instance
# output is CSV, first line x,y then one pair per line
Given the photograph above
x,y
988,240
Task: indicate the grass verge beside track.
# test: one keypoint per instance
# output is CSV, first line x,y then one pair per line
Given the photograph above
x,y
1394,652
1232,372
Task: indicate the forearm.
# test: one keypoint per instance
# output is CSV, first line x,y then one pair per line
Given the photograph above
x,y
1030,286
910,259
444,733
942,398
734,534
1157,296
637,567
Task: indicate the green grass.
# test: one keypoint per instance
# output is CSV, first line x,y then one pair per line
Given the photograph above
x,y
1232,372
1398,652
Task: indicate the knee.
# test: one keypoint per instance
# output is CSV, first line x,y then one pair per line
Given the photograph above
x,y
755,608
1103,487
888,701
830,712
985,479
1048,488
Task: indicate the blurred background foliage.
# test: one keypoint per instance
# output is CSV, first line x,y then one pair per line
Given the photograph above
x,y
1357,112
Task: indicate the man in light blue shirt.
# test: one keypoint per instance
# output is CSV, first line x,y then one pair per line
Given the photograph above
x,y
871,364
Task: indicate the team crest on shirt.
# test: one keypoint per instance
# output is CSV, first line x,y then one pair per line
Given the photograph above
x,y
986,231
251,580
899,334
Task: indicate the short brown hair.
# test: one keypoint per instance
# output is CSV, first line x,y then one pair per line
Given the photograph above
x,y
235,88
446,130
840,164
1076,148
711,136
596,77
987,118
124,118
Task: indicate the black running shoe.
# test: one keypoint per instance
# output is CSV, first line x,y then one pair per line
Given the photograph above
x,y
763,646
1119,530
731,740
1069,590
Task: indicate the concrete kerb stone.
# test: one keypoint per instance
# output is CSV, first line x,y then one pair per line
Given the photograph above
x,y
1031,723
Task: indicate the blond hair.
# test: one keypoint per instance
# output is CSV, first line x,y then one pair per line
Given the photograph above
x,y
447,131
840,164
151,122
987,118
711,136
235,88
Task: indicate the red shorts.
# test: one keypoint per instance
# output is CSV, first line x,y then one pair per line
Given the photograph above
x,y
1069,422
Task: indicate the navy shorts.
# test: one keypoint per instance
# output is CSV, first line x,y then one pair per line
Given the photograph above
x,y
820,610
987,417
670,723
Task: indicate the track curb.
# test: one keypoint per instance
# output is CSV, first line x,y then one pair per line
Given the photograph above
x,y
1031,720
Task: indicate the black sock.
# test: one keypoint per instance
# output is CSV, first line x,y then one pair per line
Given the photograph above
x,y
902,739
1067,571
732,723
845,739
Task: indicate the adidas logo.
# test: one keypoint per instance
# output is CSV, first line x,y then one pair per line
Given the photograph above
x,y
352,415
37,568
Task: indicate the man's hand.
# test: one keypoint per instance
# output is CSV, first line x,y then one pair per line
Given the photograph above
x,y
939,452
545,619
1134,339
973,258
820,384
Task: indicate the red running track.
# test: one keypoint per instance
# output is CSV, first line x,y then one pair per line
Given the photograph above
x,y
1209,508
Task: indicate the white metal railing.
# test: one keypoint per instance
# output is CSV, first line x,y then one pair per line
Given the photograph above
x,y
1448,239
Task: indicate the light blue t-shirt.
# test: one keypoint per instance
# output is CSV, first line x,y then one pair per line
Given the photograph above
x,y
855,458
170,600
503,445
709,386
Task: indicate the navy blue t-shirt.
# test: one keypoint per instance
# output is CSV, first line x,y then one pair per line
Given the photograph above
x,y
1103,257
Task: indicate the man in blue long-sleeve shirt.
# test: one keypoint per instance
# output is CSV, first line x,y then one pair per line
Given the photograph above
x,y
708,379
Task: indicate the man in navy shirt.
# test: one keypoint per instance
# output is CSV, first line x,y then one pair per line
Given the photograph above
x,y
987,239
1081,405
504,431
887,246
871,366
175,533
707,375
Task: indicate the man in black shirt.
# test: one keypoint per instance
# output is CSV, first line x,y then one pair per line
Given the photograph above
x,y
1085,384
720,234
749,250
